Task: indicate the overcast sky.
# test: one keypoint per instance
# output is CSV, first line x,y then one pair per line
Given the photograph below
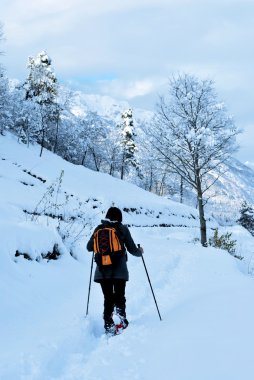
x,y
129,48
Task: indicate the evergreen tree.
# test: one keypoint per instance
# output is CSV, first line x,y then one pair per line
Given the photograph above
x,y
127,143
41,88
247,217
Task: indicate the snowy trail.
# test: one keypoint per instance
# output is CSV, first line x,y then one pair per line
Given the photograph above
x,y
205,302
204,298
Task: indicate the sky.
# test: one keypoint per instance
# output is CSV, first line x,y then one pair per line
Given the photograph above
x,y
128,49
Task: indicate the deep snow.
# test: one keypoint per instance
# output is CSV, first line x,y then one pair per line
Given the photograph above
x,y
204,295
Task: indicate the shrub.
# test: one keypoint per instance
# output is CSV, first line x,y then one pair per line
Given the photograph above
x,y
223,242
247,217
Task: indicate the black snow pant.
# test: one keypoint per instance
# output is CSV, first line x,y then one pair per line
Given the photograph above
x,y
114,295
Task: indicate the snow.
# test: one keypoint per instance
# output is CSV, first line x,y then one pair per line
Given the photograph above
x,y
204,294
105,106
21,236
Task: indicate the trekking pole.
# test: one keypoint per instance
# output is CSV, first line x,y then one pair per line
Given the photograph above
x,y
89,288
150,285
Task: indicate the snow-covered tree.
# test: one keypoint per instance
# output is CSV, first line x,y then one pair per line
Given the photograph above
x,y
247,217
1,35
41,88
5,115
25,115
127,143
193,135
65,128
111,149
92,139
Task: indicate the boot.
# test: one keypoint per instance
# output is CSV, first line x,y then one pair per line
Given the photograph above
x,y
110,328
122,316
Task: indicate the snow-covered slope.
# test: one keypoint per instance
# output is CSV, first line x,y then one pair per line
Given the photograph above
x,y
203,295
48,192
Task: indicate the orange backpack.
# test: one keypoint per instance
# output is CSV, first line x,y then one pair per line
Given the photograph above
x,y
106,244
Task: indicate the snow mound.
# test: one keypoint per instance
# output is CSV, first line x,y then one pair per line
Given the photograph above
x,y
30,240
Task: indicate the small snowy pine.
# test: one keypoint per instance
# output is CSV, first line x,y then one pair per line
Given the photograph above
x,y
247,217
127,142
41,88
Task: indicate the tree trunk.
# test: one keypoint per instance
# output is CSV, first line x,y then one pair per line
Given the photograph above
x,y
112,164
83,159
42,141
122,172
111,169
201,214
161,190
181,190
95,161
56,138
151,180
202,221
122,166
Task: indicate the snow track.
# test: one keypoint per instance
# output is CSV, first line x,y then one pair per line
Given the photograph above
x,y
204,300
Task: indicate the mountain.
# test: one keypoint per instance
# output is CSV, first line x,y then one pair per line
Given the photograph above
x,y
231,189
235,185
105,106
48,209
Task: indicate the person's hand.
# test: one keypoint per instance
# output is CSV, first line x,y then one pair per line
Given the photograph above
x,y
140,249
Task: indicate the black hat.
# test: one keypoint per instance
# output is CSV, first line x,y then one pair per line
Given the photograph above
x,y
114,214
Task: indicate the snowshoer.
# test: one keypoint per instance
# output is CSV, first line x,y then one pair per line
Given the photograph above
x,y
111,271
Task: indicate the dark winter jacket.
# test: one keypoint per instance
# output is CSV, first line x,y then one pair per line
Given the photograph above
x,y
119,271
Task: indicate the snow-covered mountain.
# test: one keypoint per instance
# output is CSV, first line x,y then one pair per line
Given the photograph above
x,y
225,197
231,189
203,293
105,106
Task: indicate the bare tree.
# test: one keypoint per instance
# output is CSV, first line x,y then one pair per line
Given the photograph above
x,y
194,135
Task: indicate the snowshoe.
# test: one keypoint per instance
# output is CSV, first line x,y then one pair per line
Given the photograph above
x,y
121,326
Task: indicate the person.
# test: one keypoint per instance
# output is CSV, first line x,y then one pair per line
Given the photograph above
x,y
112,278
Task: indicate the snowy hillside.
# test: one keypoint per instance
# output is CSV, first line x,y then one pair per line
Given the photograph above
x,y
46,195
204,294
